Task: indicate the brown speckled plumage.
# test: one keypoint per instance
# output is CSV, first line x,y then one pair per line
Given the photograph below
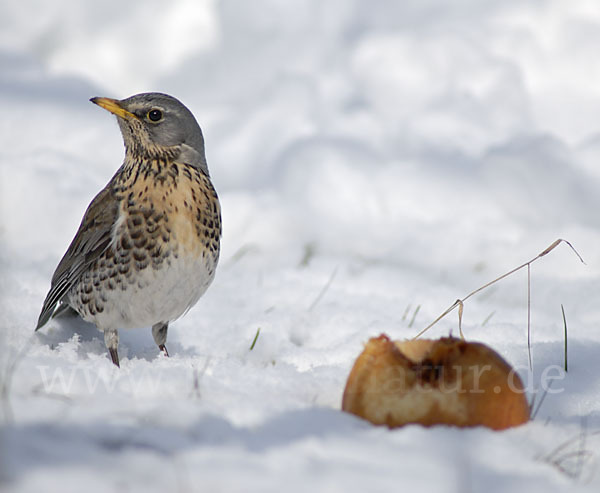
x,y
148,244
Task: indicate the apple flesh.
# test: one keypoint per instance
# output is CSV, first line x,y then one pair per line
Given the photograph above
x,y
445,381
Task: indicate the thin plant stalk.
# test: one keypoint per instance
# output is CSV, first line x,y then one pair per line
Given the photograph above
x,y
460,302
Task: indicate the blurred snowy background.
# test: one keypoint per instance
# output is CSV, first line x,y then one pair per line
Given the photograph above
x,y
371,158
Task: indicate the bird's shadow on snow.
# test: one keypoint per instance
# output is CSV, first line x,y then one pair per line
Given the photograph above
x,y
133,343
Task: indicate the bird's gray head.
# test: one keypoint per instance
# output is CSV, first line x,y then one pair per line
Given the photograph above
x,y
155,125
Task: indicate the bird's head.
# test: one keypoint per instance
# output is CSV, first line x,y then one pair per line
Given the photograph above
x,y
155,125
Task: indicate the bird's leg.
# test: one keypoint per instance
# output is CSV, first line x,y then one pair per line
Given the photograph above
x,y
111,339
159,332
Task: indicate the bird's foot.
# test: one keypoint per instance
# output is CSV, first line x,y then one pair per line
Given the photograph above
x,y
114,356
111,339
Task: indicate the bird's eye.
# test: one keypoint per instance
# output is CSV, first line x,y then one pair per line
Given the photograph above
x,y
155,115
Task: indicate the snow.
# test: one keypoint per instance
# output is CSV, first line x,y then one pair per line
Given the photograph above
x,y
371,158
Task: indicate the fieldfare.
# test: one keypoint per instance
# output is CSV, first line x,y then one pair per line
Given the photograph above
x,y
148,244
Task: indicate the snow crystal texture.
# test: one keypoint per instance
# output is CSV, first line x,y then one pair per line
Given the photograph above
x,y
375,161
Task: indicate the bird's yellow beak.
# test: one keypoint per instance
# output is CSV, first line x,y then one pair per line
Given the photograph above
x,y
114,106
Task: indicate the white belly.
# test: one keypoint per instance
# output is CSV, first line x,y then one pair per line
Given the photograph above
x,y
156,295
162,256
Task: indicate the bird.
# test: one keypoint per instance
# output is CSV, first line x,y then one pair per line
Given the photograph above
x,y
148,245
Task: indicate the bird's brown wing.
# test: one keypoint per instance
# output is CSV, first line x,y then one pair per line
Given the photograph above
x,y
92,239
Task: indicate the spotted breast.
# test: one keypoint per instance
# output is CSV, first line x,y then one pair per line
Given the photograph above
x,y
163,252
148,244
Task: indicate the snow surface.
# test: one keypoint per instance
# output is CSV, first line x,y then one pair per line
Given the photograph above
x,y
371,158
